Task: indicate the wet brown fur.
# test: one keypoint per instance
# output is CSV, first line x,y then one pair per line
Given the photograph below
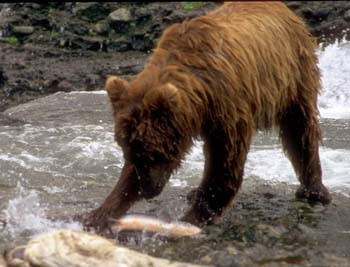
x,y
243,67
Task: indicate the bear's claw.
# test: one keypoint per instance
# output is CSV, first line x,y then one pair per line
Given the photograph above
x,y
314,194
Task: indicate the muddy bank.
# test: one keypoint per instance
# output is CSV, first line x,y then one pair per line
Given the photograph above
x,y
266,226
328,21
51,47
31,71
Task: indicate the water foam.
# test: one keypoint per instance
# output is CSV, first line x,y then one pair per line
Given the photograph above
x,y
334,63
272,165
25,214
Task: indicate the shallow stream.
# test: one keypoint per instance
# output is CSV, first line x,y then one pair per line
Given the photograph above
x,y
57,154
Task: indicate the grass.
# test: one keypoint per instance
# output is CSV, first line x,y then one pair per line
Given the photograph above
x,y
188,6
12,40
54,35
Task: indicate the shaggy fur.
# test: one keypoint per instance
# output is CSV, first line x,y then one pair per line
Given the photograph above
x,y
242,67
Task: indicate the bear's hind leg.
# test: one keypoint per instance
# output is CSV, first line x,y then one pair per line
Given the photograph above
x,y
300,136
224,165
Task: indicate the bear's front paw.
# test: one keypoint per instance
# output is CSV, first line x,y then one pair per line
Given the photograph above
x,y
315,193
200,217
95,220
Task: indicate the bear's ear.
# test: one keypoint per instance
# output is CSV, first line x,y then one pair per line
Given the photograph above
x,y
164,98
115,87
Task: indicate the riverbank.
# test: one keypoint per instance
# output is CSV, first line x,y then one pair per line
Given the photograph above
x,y
41,53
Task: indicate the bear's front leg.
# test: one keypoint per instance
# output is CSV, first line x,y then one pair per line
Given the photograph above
x,y
223,175
124,194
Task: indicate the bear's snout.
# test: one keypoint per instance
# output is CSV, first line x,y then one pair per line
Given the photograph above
x,y
153,182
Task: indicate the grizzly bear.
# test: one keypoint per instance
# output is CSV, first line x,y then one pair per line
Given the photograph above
x,y
244,67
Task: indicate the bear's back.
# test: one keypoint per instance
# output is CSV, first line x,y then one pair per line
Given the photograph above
x,y
252,53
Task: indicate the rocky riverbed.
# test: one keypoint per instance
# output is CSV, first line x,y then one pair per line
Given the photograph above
x,y
42,54
62,150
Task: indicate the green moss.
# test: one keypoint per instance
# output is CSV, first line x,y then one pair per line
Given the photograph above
x,y
188,6
54,35
12,40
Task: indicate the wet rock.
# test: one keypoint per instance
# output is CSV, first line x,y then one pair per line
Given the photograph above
x,y
142,42
73,248
120,44
331,260
23,30
315,15
85,42
63,107
347,15
128,68
271,231
90,11
35,6
2,261
325,19
77,28
93,82
3,77
293,4
121,14
15,257
102,27
175,17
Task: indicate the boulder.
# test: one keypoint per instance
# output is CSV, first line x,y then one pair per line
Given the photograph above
x,y
23,30
74,248
2,261
121,14
101,27
347,15
90,11
3,77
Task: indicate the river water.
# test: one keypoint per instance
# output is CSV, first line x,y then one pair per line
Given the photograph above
x,y
62,159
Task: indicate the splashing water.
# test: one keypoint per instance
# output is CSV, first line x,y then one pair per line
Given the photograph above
x,y
25,214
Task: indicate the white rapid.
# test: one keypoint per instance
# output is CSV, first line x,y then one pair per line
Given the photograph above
x,y
334,62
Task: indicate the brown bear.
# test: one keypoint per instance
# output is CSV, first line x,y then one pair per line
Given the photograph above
x,y
244,67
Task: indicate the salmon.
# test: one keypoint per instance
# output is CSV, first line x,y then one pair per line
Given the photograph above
x,y
134,222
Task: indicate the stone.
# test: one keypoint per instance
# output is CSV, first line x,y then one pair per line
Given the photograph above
x,y
74,248
322,13
35,6
78,28
91,11
121,14
118,45
2,261
270,230
93,43
293,4
102,27
24,30
3,77
347,15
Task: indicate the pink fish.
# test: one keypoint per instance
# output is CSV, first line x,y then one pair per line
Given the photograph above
x,y
151,224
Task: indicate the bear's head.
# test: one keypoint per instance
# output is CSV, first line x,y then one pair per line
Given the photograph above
x,y
149,129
